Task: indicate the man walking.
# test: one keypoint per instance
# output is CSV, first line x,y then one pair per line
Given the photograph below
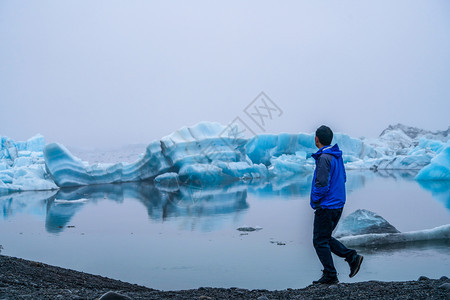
x,y
328,199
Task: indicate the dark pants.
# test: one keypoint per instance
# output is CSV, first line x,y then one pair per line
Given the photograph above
x,y
325,220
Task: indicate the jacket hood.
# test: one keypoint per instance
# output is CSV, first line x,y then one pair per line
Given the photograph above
x,y
333,150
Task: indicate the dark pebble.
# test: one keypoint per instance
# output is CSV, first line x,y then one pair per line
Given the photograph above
x,y
113,296
23,279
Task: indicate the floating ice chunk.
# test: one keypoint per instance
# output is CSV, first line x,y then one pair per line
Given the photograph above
x,y
27,178
168,181
439,168
188,151
68,170
363,221
365,240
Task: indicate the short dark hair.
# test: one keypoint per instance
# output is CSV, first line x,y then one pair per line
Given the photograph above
x,y
325,135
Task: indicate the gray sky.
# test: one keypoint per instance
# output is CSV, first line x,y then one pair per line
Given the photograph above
x,y
105,73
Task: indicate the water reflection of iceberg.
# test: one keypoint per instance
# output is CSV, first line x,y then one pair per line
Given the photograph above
x,y
196,206
439,189
186,202
299,185
32,203
190,201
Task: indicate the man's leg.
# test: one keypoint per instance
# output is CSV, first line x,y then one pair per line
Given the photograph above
x,y
340,250
323,226
337,247
353,259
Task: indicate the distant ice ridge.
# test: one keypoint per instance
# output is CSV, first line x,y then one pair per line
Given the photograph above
x,y
213,154
364,228
22,165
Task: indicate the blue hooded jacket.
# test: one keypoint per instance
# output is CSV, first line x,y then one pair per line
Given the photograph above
x,y
328,185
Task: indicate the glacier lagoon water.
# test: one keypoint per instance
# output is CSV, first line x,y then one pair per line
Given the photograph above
x,y
188,238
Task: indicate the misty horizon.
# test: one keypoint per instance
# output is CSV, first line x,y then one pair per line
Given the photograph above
x,y
95,74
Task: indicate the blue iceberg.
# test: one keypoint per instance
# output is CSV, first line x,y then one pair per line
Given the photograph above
x,y
22,165
214,154
207,153
439,167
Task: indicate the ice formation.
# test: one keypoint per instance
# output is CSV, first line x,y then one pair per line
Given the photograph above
x,y
68,170
372,239
439,168
214,154
363,221
208,153
365,228
22,165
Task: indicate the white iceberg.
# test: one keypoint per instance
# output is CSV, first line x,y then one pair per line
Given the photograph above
x,y
364,228
366,240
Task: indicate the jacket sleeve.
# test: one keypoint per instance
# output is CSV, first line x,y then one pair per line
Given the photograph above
x,y
321,184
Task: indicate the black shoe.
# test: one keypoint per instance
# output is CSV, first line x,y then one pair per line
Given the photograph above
x,y
355,264
326,279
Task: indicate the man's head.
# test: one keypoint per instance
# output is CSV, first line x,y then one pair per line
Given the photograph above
x,y
324,136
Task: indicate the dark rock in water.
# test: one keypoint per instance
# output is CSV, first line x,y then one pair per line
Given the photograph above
x,y
113,296
363,221
423,278
248,228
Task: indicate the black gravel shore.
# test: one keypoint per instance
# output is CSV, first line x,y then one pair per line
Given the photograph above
x,y
24,279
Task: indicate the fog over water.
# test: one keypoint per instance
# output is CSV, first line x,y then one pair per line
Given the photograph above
x,y
107,73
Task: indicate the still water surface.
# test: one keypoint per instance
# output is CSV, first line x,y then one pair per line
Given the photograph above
x,y
188,238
